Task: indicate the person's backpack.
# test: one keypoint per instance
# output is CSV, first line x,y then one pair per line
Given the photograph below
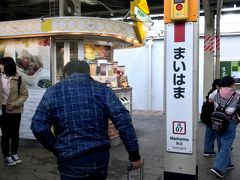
x,y
205,115
237,111
221,120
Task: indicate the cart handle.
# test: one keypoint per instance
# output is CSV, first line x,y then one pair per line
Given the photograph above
x,y
130,166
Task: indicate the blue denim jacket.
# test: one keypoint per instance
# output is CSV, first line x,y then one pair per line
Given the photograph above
x,y
78,108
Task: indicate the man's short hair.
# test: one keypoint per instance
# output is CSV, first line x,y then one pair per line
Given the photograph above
x,y
76,67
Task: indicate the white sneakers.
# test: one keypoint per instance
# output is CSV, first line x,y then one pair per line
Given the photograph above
x,y
12,160
16,159
9,161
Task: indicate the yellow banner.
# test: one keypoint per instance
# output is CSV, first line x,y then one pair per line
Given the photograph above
x,y
46,25
141,31
132,5
139,12
142,4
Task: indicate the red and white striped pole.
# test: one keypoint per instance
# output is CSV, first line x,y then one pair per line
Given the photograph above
x,y
209,43
217,42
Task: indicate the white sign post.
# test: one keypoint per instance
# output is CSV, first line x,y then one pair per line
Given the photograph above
x,y
179,89
181,72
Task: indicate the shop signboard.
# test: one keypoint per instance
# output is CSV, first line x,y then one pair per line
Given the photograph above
x,y
32,57
179,87
94,52
140,15
230,68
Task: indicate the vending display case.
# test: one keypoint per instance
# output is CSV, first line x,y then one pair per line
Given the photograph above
x,y
125,96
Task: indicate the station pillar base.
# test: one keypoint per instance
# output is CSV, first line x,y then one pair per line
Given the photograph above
x,y
174,176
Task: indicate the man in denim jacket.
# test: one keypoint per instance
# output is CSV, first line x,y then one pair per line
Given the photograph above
x,y
78,108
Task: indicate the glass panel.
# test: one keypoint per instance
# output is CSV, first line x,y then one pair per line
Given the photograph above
x,y
73,51
59,60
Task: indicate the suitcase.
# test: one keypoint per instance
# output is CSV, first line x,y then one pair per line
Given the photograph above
x,y
130,169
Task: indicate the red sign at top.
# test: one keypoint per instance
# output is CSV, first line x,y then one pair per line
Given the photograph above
x,y
179,32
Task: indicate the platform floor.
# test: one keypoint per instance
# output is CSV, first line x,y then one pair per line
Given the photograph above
x,y
39,164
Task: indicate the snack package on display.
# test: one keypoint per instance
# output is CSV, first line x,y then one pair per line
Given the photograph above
x,y
124,81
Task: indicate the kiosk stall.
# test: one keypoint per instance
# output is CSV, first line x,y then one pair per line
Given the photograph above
x,y
41,48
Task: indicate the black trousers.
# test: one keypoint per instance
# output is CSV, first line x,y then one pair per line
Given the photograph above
x,y
10,125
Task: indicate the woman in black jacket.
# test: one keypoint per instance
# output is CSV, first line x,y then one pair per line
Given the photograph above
x,y
210,134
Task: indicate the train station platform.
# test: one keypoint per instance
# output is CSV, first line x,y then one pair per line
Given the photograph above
x,y
39,164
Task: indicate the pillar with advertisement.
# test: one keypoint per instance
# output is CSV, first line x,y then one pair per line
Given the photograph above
x,y
181,79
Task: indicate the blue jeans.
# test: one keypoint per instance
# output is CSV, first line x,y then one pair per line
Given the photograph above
x,y
90,166
225,141
209,138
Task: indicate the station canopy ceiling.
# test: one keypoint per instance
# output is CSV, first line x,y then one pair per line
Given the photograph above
x,y
29,9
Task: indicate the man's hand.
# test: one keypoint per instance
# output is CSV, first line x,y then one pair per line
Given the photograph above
x,y
137,164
